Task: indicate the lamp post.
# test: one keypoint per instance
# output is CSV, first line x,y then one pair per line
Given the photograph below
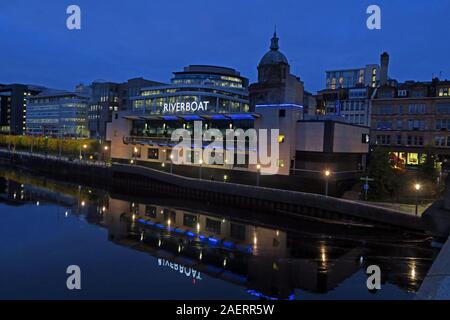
x,y
200,168
258,170
417,188
327,174
105,154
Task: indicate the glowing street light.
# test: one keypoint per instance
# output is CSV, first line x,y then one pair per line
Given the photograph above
x,y
171,163
200,168
327,174
417,187
258,170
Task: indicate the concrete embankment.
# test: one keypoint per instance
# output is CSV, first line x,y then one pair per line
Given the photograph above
x,y
436,285
136,179
279,201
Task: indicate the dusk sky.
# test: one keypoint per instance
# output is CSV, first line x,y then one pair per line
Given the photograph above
x,y
152,38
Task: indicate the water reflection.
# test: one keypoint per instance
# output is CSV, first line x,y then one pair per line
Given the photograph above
x,y
269,257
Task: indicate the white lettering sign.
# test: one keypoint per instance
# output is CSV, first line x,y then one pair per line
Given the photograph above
x,y
185,107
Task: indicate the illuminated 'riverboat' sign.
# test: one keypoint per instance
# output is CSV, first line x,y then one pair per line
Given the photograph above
x,y
193,106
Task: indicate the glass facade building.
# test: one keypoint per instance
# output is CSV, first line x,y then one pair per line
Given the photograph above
x,y
58,114
223,90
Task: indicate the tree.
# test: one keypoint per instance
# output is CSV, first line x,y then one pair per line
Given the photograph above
x,y
382,170
428,168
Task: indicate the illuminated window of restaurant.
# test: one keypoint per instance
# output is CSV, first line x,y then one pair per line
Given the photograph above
x,y
413,159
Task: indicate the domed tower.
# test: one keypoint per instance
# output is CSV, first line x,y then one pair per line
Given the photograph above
x,y
273,66
276,85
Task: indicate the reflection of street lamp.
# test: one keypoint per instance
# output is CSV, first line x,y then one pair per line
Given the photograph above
x,y
417,187
171,162
327,174
105,153
84,147
225,178
258,170
200,168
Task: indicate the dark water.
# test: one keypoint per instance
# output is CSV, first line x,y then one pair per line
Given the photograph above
x,y
163,248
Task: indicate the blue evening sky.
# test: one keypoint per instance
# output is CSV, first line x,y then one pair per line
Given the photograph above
x,y
151,38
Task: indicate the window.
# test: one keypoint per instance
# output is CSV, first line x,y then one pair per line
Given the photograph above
x,y
443,108
282,113
365,138
444,92
385,109
416,124
169,214
443,124
384,125
399,124
153,154
189,220
150,211
383,139
399,139
237,231
416,108
402,93
439,141
213,225
415,140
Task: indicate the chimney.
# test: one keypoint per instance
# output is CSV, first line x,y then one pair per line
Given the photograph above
x,y
384,69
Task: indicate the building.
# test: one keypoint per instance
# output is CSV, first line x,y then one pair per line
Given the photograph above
x,y
222,89
351,104
58,113
13,104
217,97
108,97
368,76
411,116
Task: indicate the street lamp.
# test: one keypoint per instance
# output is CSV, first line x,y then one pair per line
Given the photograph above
x,y
258,170
417,187
327,174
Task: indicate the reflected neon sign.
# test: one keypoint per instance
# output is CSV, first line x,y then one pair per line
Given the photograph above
x,y
187,271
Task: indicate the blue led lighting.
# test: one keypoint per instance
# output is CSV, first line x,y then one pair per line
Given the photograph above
x,y
285,105
179,230
141,220
202,237
149,222
263,296
192,118
219,117
241,116
213,240
228,244
159,225
170,118
190,234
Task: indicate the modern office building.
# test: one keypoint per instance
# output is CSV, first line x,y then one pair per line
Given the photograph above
x,y
368,76
351,104
13,104
58,113
108,97
411,116
219,89
218,98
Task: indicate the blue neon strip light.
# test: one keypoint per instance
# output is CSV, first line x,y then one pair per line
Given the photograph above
x,y
219,117
190,234
191,118
170,118
227,244
241,116
213,240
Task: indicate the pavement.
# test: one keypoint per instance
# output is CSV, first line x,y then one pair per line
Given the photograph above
x,y
436,285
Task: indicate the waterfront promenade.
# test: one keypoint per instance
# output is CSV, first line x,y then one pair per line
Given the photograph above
x,y
135,178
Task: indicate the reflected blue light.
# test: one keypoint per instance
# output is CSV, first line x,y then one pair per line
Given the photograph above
x,y
190,234
202,237
219,117
179,230
227,244
159,225
192,118
263,296
213,240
